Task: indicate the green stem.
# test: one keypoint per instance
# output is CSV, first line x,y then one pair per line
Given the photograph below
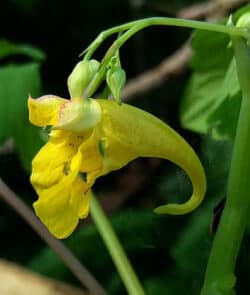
x,y
135,26
115,249
220,279
164,21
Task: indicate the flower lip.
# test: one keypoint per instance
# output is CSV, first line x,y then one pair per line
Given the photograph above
x,y
78,115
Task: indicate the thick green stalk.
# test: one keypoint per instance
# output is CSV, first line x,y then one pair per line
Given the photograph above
x,y
220,279
115,249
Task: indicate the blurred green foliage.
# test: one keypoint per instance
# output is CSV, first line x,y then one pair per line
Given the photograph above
x,y
169,252
16,81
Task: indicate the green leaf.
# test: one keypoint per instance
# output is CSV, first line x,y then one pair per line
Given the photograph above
x,y
210,51
16,82
230,86
225,118
200,100
211,101
7,48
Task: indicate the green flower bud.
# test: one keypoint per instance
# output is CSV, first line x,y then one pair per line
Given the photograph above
x,y
244,21
80,77
116,80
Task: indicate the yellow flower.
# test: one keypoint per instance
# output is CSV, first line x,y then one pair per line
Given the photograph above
x,y
90,138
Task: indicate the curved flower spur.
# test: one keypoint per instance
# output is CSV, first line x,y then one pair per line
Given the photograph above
x,y
88,139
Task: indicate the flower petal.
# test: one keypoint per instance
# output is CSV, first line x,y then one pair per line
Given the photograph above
x,y
79,200
44,111
56,213
91,155
78,115
54,172
52,163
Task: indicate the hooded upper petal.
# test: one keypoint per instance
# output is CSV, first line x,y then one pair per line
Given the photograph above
x,y
44,111
78,115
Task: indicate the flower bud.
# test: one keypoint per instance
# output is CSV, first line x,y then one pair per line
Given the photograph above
x,y
78,115
116,80
244,21
81,75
